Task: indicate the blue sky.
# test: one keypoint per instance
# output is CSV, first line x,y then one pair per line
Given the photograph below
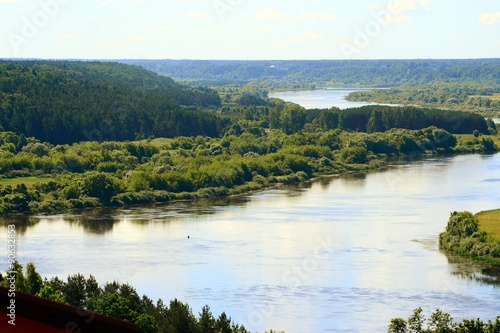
x,y
249,29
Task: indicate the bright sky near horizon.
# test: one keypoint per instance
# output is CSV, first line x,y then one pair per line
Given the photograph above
x,y
249,29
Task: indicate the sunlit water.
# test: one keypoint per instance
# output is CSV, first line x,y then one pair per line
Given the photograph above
x,y
341,254
322,99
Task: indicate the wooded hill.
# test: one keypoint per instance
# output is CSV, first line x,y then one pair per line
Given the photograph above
x,y
65,101
304,73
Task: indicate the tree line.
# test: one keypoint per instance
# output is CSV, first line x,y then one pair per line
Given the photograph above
x,y
477,97
111,173
65,102
120,301
441,322
273,74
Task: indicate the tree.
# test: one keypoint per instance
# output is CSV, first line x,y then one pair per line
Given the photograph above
x,y
206,321
180,318
100,185
116,306
146,323
293,118
398,325
223,324
74,290
34,280
351,155
375,123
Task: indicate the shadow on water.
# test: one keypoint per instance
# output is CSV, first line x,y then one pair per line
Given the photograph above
x,y
469,270
101,220
22,222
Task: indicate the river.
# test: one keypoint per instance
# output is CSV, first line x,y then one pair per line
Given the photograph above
x,y
322,98
340,254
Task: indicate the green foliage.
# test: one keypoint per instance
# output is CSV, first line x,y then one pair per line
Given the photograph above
x,y
463,236
353,155
440,322
473,95
100,186
121,301
295,74
65,102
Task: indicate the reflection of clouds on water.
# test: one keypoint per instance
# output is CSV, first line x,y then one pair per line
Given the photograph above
x,y
492,180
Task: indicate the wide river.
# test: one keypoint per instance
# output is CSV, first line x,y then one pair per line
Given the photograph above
x,y
322,98
340,254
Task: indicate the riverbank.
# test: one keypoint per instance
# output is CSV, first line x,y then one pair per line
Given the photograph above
x,y
473,236
117,174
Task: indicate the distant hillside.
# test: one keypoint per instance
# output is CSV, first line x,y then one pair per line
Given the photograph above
x,y
300,73
67,101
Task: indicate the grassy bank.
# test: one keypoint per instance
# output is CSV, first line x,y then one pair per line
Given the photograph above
x,y
473,236
489,221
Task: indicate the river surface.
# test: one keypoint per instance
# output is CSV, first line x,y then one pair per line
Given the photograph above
x,y
322,98
340,254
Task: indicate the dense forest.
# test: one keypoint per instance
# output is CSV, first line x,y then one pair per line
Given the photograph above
x,y
467,85
64,102
308,73
93,174
469,96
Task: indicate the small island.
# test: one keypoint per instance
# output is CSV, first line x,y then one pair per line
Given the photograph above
x,y
473,236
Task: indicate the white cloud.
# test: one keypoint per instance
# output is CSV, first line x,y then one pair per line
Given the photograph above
x,y
267,27
411,5
9,1
308,39
397,10
313,16
490,18
269,14
198,15
70,37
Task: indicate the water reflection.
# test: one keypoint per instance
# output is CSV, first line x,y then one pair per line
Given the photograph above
x,y
22,223
469,270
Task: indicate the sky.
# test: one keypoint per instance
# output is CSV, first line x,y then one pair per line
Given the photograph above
x,y
249,29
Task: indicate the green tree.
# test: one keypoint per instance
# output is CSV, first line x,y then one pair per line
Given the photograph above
x,y
100,185
116,306
223,324
375,123
206,321
146,323
74,290
34,280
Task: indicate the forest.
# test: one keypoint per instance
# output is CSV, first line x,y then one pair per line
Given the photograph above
x,y
481,98
467,84
87,134
273,74
111,173
65,102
